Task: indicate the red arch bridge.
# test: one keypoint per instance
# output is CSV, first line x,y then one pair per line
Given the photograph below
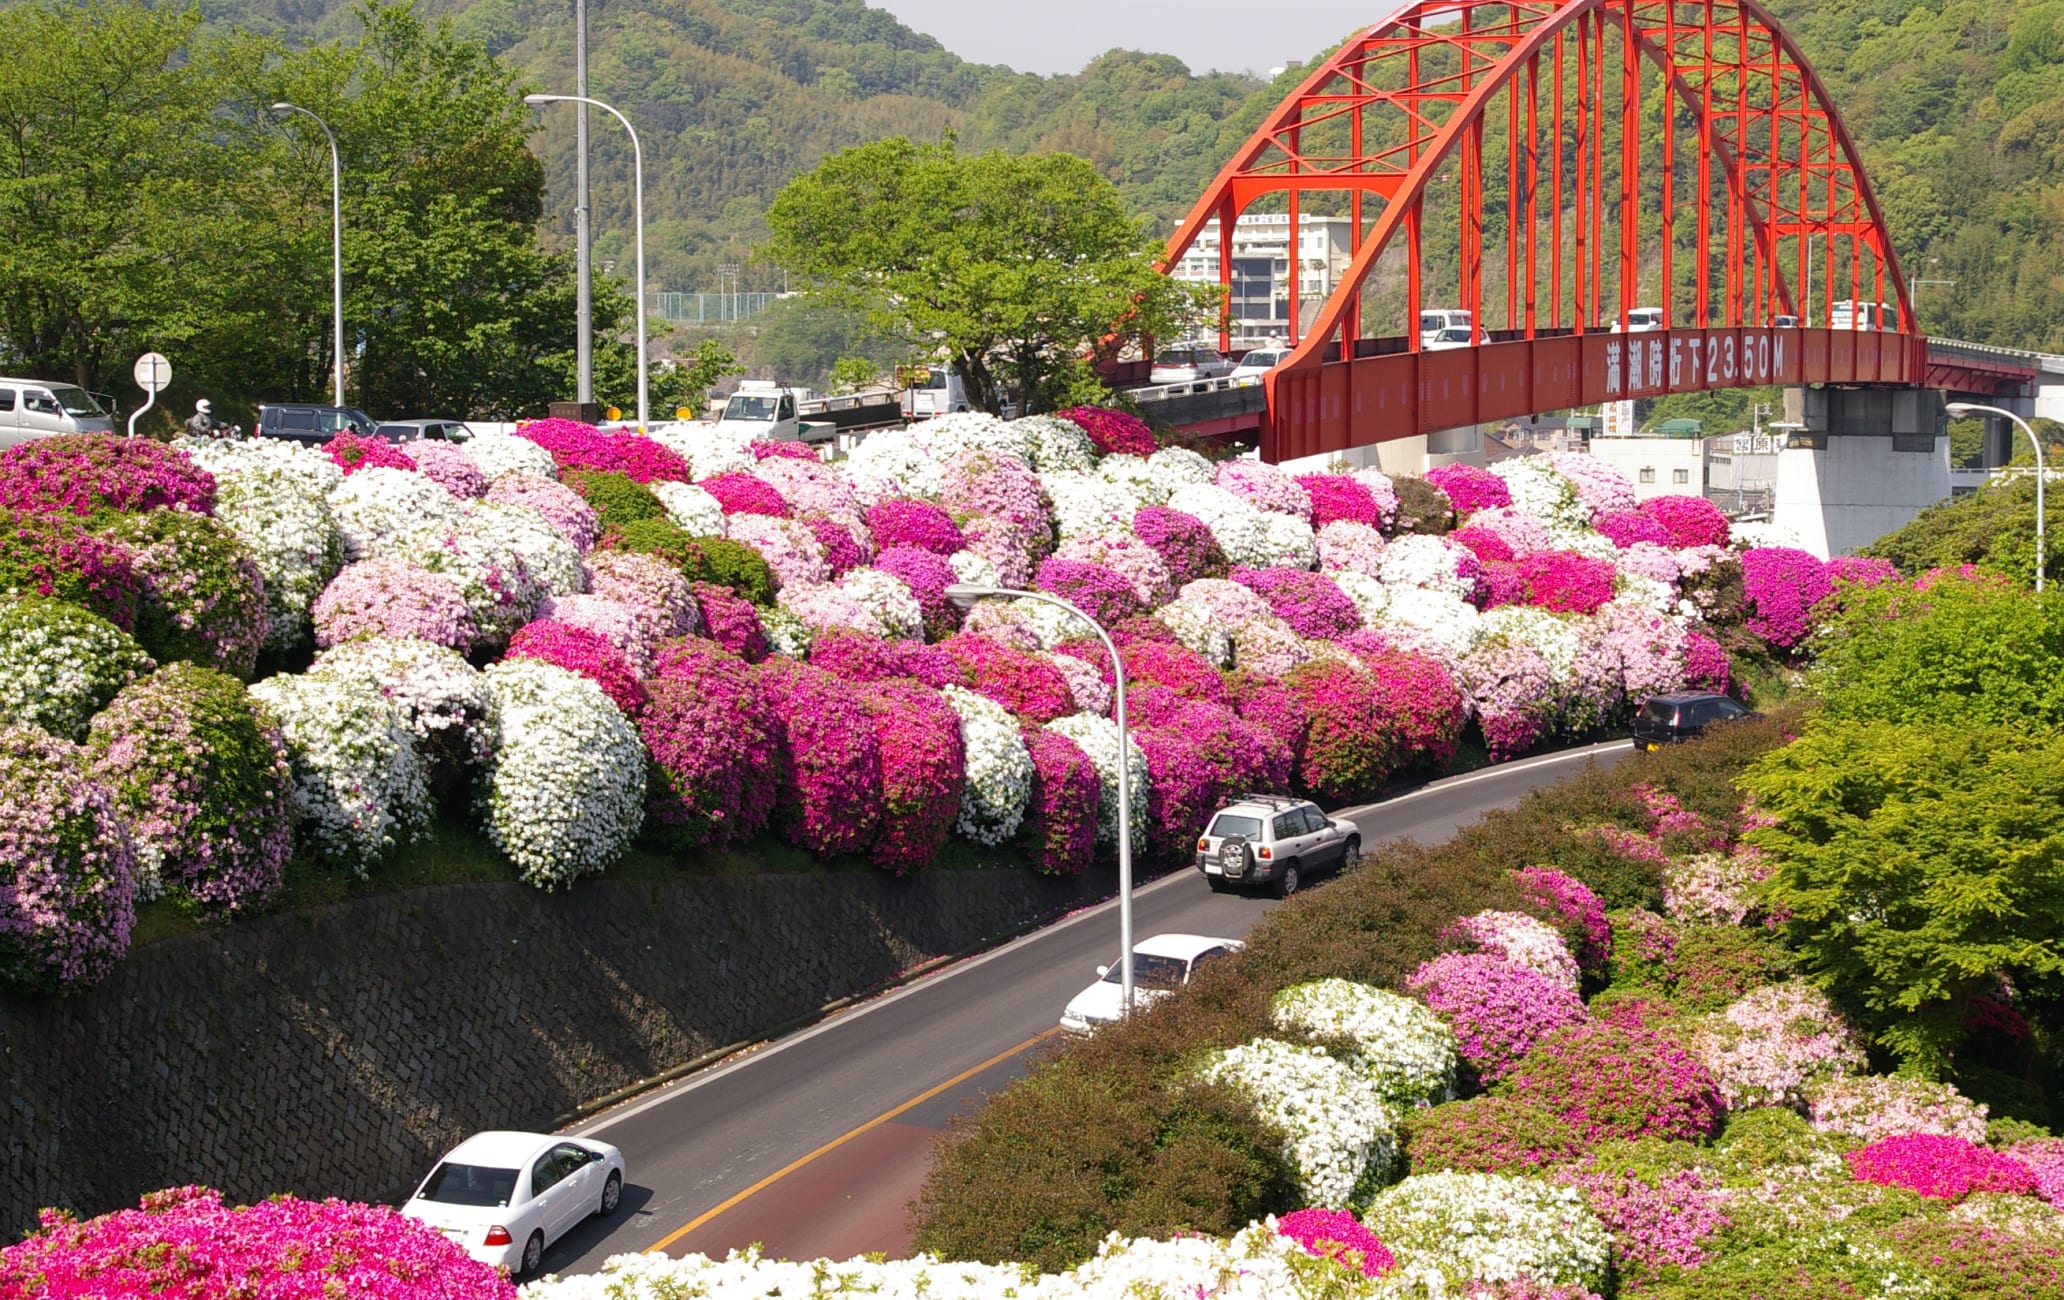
x,y
1627,198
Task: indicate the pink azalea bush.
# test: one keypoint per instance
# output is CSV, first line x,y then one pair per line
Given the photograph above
x,y
67,867
920,524
1574,909
579,650
923,770
1512,690
1104,594
1623,528
2045,1159
450,468
1182,791
1490,546
744,494
185,1244
1873,1107
1157,663
1113,432
1061,816
770,449
1272,707
712,746
1565,583
1606,1081
843,550
1707,666
1022,681
1339,1236
1356,548
1311,603
1782,586
1862,570
1349,746
1184,544
790,548
582,446
1125,554
1012,549
86,473
353,452
927,576
1657,1221
829,796
1336,497
652,589
859,657
732,621
1600,484
1265,487
1942,1168
1423,702
53,554
1518,938
1469,488
995,484
1497,1010
393,597
565,509
1690,521
613,620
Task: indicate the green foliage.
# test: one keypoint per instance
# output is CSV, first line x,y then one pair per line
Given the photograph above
x,y
689,379
700,559
851,374
1961,651
931,247
1490,1135
60,664
1993,528
1422,507
1919,864
203,598
617,498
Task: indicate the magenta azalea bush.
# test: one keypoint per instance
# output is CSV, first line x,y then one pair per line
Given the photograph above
x,y
1349,747
732,621
1024,682
1469,488
1061,814
1183,791
744,494
861,657
829,783
185,1244
1311,603
1572,908
1623,528
1113,432
352,452
1606,1081
1689,520
53,554
67,868
1104,594
919,524
576,446
712,745
927,575
1336,497
1565,583
1158,663
1423,702
1497,1010
89,474
1944,1168
589,653
1188,549
923,771
1338,1236
1782,586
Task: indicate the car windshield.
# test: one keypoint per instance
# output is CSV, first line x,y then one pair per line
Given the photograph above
x,y
1151,972
749,408
452,1183
1260,360
74,400
1458,335
1235,824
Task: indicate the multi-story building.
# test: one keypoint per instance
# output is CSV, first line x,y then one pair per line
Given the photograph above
x,y
1262,268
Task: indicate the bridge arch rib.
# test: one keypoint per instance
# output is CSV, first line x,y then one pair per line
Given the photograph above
x,y
1737,197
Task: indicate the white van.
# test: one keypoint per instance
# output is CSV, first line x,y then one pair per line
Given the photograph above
x,y
37,408
1850,315
1436,321
1642,319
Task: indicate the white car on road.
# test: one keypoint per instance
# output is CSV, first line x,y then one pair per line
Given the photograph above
x,y
1160,966
506,1196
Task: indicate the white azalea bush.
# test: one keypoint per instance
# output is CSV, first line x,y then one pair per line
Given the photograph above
x,y
1400,1046
277,503
552,561
891,463
1338,1129
360,787
1541,490
1085,503
999,768
60,665
1240,530
565,791
692,509
1098,739
443,700
1056,445
1449,1228
498,455
376,508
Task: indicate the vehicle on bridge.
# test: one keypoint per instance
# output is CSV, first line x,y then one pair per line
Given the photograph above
x,y
1187,363
1436,321
36,408
1460,336
504,1197
1850,315
1642,319
1256,364
1160,966
1274,840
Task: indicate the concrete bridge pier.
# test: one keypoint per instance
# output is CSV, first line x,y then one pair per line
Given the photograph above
x,y
1860,462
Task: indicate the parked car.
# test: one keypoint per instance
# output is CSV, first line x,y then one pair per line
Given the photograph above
x,y
1187,363
1160,966
1256,364
414,430
1681,716
1274,840
311,424
506,1196
35,408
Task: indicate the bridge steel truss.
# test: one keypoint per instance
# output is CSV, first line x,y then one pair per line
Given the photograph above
x,y
1566,161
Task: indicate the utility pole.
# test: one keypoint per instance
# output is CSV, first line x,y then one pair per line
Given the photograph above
x,y
583,237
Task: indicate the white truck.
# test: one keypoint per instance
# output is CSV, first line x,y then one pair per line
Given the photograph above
x,y
935,390
763,409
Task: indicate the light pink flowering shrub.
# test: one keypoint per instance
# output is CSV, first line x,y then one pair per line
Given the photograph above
x,y
612,620
1511,689
67,867
1877,1106
1344,544
1265,487
449,468
392,597
1657,1219
811,488
997,485
653,590
1523,940
1311,603
1574,909
789,547
185,1244
568,512
2045,1159
1600,484
1766,1048
1124,554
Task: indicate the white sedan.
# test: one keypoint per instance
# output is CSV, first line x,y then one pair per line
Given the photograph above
x,y
1160,966
506,1196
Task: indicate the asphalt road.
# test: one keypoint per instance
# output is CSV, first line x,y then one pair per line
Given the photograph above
x,y
813,1145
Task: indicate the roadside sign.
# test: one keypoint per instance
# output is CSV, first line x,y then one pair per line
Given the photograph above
x,y
153,372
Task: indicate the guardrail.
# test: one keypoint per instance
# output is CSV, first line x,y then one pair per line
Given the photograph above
x,y
2049,361
1163,392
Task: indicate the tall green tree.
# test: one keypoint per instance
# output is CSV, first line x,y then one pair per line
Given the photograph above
x,y
1015,268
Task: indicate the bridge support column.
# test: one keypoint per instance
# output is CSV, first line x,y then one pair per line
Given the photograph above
x,y
1860,463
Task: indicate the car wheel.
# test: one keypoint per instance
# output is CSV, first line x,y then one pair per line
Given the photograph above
x,y
1218,884
1286,883
612,1193
1351,857
533,1253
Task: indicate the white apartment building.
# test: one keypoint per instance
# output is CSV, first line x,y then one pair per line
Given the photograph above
x,y
1262,268
1657,466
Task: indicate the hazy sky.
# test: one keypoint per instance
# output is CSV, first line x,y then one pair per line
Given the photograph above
x,y
1062,35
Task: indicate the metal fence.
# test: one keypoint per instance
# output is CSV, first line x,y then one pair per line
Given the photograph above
x,y
708,308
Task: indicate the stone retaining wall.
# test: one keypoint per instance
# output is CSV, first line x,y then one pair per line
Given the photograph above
x,y
337,1051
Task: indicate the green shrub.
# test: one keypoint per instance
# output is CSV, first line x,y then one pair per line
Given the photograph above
x,y
618,499
1488,1135
1993,528
716,560
1960,652
203,597
1716,965
1422,507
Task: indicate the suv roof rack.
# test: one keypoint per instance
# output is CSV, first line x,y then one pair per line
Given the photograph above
x,y
1272,800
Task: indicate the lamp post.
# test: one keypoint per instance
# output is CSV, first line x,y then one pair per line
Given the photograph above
x,y
336,236
1972,408
966,595
637,218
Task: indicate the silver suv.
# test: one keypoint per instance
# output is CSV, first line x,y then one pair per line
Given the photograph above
x,y
1274,840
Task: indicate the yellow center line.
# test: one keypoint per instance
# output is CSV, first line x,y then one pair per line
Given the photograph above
x,y
660,1246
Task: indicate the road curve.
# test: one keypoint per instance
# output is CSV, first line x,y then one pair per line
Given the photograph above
x,y
813,1145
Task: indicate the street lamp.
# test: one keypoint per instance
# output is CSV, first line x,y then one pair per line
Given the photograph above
x,y
1972,408
336,235
966,596
637,218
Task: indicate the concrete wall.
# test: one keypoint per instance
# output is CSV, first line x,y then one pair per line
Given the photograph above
x,y
1843,498
337,1051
